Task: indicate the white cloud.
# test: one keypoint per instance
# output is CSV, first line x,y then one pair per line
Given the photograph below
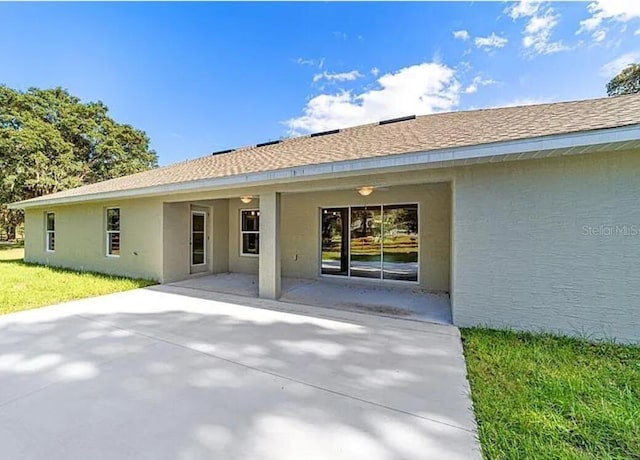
x,y
477,82
613,68
419,89
537,32
375,71
525,101
335,77
523,8
319,63
492,41
637,32
461,35
604,11
599,35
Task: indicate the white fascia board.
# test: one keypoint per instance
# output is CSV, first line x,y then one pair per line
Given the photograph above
x,y
600,140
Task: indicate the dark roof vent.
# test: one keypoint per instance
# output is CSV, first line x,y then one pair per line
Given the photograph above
x,y
397,120
325,133
264,144
220,152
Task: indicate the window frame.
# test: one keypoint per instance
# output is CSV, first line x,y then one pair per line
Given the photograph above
x,y
243,232
110,232
48,233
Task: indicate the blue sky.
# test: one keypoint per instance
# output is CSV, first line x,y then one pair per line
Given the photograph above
x,y
203,77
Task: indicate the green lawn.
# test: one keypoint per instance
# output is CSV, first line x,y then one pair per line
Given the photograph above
x,y
24,286
544,397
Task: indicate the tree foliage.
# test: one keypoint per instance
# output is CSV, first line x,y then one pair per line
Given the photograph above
x,y
51,141
626,82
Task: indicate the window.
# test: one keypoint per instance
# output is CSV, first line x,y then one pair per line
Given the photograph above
x,y
51,232
113,232
250,232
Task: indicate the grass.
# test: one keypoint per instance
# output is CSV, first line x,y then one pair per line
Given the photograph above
x,y
24,286
544,397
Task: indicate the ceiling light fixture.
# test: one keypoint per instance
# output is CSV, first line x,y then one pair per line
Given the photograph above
x,y
246,199
366,190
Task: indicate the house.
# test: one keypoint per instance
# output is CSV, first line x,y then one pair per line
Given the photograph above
x,y
527,216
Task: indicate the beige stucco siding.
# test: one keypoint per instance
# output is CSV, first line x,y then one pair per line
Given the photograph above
x,y
176,238
529,253
81,238
175,242
220,236
301,228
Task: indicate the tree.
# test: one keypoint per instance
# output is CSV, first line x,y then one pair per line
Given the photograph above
x,y
51,141
626,82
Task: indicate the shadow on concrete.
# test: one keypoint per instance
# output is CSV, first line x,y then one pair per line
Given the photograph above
x,y
162,374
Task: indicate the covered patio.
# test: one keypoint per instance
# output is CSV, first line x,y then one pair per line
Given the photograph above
x,y
400,301
385,252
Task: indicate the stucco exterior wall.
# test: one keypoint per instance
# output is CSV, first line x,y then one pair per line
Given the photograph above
x,y
175,257
301,228
536,246
176,238
220,236
81,238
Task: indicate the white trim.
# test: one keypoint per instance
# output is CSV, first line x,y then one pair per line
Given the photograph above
x,y
242,232
537,147
204,237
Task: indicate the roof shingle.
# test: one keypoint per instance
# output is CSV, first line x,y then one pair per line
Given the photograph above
x,y
424,133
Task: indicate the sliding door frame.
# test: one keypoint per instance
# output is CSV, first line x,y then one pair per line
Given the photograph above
x,y
380,206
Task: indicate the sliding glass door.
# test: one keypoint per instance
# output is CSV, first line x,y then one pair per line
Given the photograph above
x,y
366,236
379,242
400,243
335,238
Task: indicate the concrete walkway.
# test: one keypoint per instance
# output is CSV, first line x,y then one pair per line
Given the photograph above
x,y
398,300
161,373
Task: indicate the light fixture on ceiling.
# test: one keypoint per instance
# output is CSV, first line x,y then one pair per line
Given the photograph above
x,y
365,190
246,199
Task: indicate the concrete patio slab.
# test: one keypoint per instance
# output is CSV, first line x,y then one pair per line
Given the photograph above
x,y
175,373
392,299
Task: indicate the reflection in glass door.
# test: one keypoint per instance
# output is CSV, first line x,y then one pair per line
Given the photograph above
x,y
366,250
379,242
400,243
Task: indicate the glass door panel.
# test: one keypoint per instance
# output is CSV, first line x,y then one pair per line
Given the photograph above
x,y
198,255
400,243
366,249
335,250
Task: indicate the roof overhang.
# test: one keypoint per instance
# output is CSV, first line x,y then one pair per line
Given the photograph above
x,y
604,140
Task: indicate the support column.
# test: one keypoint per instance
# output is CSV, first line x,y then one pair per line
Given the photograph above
x,y
269,273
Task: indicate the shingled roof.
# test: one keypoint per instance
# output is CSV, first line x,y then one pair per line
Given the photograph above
x,y
419,134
